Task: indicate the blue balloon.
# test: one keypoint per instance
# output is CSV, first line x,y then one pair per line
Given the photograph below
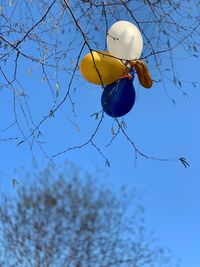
x,y
118,98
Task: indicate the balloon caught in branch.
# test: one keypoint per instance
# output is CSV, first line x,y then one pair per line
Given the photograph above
x,y
118,98
124,41
101,68
115,70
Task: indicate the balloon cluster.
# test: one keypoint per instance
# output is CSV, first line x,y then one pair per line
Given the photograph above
x,y
115,70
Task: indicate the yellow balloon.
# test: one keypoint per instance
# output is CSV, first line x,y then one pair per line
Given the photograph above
x,y
101,64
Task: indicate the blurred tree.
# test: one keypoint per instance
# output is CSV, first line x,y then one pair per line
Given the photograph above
x,y
60,220
47,40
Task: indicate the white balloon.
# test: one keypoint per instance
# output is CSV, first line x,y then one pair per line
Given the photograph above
x,y
124,40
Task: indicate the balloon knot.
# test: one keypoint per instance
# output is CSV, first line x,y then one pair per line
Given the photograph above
x,y
128,76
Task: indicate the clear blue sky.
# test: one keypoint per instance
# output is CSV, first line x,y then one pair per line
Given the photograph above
x,y
159,128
